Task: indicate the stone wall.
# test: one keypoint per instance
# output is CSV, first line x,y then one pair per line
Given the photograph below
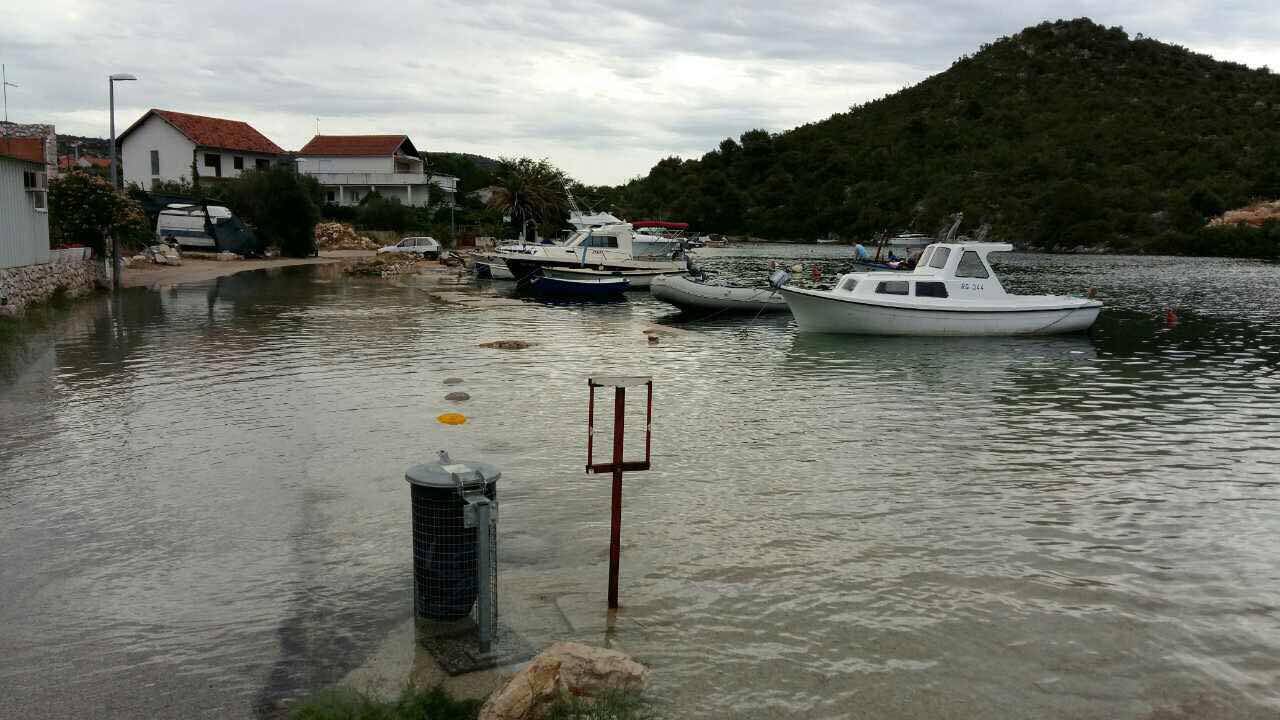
x,y
70,271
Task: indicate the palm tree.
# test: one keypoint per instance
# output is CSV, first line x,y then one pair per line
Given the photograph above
x,y
529,191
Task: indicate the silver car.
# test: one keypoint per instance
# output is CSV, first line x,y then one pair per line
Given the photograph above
x,y
425,246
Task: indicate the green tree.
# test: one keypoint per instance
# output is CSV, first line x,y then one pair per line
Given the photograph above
x,y
84,209
530,191
281,205
378,212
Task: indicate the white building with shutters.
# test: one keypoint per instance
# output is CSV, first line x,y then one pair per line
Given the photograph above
x,y
349,167
164,145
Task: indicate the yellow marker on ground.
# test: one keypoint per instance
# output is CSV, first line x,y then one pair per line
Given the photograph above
x,y
452,418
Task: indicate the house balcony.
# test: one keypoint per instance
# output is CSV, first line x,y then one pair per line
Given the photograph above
x,y
371,178
350,188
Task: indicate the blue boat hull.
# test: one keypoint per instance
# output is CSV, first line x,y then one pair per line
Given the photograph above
x,y
579,288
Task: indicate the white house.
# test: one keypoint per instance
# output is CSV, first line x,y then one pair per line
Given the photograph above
x,y
349,167
24,214
168,145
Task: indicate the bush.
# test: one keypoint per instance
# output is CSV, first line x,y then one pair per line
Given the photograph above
x,y
84,209
282,205
381,213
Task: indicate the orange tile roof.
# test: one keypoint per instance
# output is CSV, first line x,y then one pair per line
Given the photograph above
x,y
357,145
213,132
28,149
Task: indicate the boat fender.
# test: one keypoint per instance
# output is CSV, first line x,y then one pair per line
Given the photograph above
x,y
816,273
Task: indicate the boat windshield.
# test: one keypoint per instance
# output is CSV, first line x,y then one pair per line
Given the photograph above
x,y
940,256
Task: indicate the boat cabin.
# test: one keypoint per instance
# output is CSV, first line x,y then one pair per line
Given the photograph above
x,y
945,270
623,238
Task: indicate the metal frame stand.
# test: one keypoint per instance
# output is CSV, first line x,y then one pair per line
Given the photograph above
x,y
481,513
618,464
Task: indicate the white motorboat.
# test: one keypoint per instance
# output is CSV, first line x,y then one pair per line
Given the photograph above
x,y
608,247
952,291
690,295
636,279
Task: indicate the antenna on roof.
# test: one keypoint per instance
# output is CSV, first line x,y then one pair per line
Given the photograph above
x,y
317,126
5,85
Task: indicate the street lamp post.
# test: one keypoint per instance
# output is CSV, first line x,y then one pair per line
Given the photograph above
x,y
115,178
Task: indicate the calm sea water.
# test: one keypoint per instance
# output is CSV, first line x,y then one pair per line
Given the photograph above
x,y
203,511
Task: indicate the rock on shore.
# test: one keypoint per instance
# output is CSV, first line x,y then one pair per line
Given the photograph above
x,y
564,668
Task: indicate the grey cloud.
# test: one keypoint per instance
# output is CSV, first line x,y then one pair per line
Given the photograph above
x,y
591,81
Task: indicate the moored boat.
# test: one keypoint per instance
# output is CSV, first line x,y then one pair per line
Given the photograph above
x,y
492,268
638,279
952,291
690,295
594,287
608,247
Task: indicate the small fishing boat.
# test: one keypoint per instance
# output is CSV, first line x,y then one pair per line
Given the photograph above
x,y
691,295
952,291
638,279
492,268
828,241
591,287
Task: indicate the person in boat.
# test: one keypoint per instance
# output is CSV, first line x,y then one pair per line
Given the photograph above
x,y
860,252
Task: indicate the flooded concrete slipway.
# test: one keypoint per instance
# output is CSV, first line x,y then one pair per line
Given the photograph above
x,y
203,511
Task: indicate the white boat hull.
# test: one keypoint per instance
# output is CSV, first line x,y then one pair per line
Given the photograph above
x,y
820,314
689,295
637,279
493,269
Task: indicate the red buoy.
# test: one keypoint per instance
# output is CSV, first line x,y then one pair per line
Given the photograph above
x,y
1170,317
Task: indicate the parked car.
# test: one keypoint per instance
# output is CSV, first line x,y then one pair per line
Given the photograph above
x,y
424,246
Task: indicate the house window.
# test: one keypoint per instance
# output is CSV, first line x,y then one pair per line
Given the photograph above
x,y
971,266
214,161
931,289
36,184
261,164
237,162
330,196
155,162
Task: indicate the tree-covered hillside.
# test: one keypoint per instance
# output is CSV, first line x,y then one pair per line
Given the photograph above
x,y
1065,134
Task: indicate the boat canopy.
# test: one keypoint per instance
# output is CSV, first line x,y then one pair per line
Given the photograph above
x,y
663,224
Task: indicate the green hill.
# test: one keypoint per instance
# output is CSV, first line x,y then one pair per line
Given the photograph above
x,y
1066,134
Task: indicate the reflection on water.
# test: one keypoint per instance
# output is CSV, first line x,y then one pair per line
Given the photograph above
x,y
202,504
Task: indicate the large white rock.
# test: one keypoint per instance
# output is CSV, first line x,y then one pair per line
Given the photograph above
x,y
571,668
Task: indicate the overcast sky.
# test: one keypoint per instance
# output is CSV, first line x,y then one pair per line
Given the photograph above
x,y
603,89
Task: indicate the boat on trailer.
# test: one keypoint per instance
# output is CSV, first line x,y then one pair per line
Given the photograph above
x,y
693,296
952,291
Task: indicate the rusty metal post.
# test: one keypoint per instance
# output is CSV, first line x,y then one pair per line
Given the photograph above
x,y
619,464
615,530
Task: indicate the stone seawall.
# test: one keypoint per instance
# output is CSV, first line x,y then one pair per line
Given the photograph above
x,y
69,272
